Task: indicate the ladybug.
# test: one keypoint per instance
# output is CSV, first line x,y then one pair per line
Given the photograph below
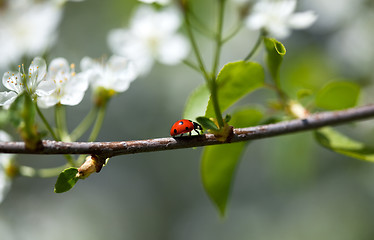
x,y
184,126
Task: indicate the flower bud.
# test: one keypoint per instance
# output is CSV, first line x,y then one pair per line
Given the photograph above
x,y
92,164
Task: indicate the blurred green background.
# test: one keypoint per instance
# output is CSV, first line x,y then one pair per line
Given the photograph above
x,y
286,187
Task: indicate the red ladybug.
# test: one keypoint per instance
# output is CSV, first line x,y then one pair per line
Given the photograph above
x,y
184,126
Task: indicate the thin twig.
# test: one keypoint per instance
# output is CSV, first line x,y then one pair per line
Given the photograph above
x,y
110,149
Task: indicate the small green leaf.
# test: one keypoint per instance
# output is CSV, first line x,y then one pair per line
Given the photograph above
x,y
302,93
274,57
227,118
219,162
206,123
234,81
338,95
217,169
337,142
66,180
197,102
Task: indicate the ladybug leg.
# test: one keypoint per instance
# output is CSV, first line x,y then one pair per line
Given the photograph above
x,y
190,134
197,132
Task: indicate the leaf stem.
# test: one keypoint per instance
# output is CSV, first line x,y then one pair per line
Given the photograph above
x,y
218,39
255,47
60,119
232,34
84,125
98,123
192,65
213,84
195,48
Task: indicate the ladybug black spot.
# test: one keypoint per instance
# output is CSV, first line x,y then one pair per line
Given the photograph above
x,y
175,131
186,128
181,123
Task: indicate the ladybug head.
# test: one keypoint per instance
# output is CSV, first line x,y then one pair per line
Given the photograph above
x,y
197,126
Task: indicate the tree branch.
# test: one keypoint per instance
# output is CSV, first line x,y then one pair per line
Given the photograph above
x,y
110,149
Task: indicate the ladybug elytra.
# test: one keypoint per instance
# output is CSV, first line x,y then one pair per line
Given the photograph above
x,y
184,126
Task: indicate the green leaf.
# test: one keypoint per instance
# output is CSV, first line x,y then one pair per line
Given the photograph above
x,y
274,57
338,95
302,93
217,169
66,180
206,123
246,117
234,81
337,142
197,103
219,162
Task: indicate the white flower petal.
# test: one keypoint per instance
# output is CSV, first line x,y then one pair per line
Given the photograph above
x,y
123,43
78,83
37,71
72,98
13,81
174,50
47,101
148,22
45,88
58,65
302,20
7,98
255,21
116,74
277,17
161,2
148,38
122,66
87,63
285,7
63,85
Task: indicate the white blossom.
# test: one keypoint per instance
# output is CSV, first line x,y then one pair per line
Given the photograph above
x,y
277,17
34,83
5,159
152,35
116,74
69,86
27,28
161,2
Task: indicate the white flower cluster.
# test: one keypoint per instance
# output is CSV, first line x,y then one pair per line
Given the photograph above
x,y
61,84
152,35
277,17
27,28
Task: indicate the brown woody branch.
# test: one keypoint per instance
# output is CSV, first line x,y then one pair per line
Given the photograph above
x,y
110,149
